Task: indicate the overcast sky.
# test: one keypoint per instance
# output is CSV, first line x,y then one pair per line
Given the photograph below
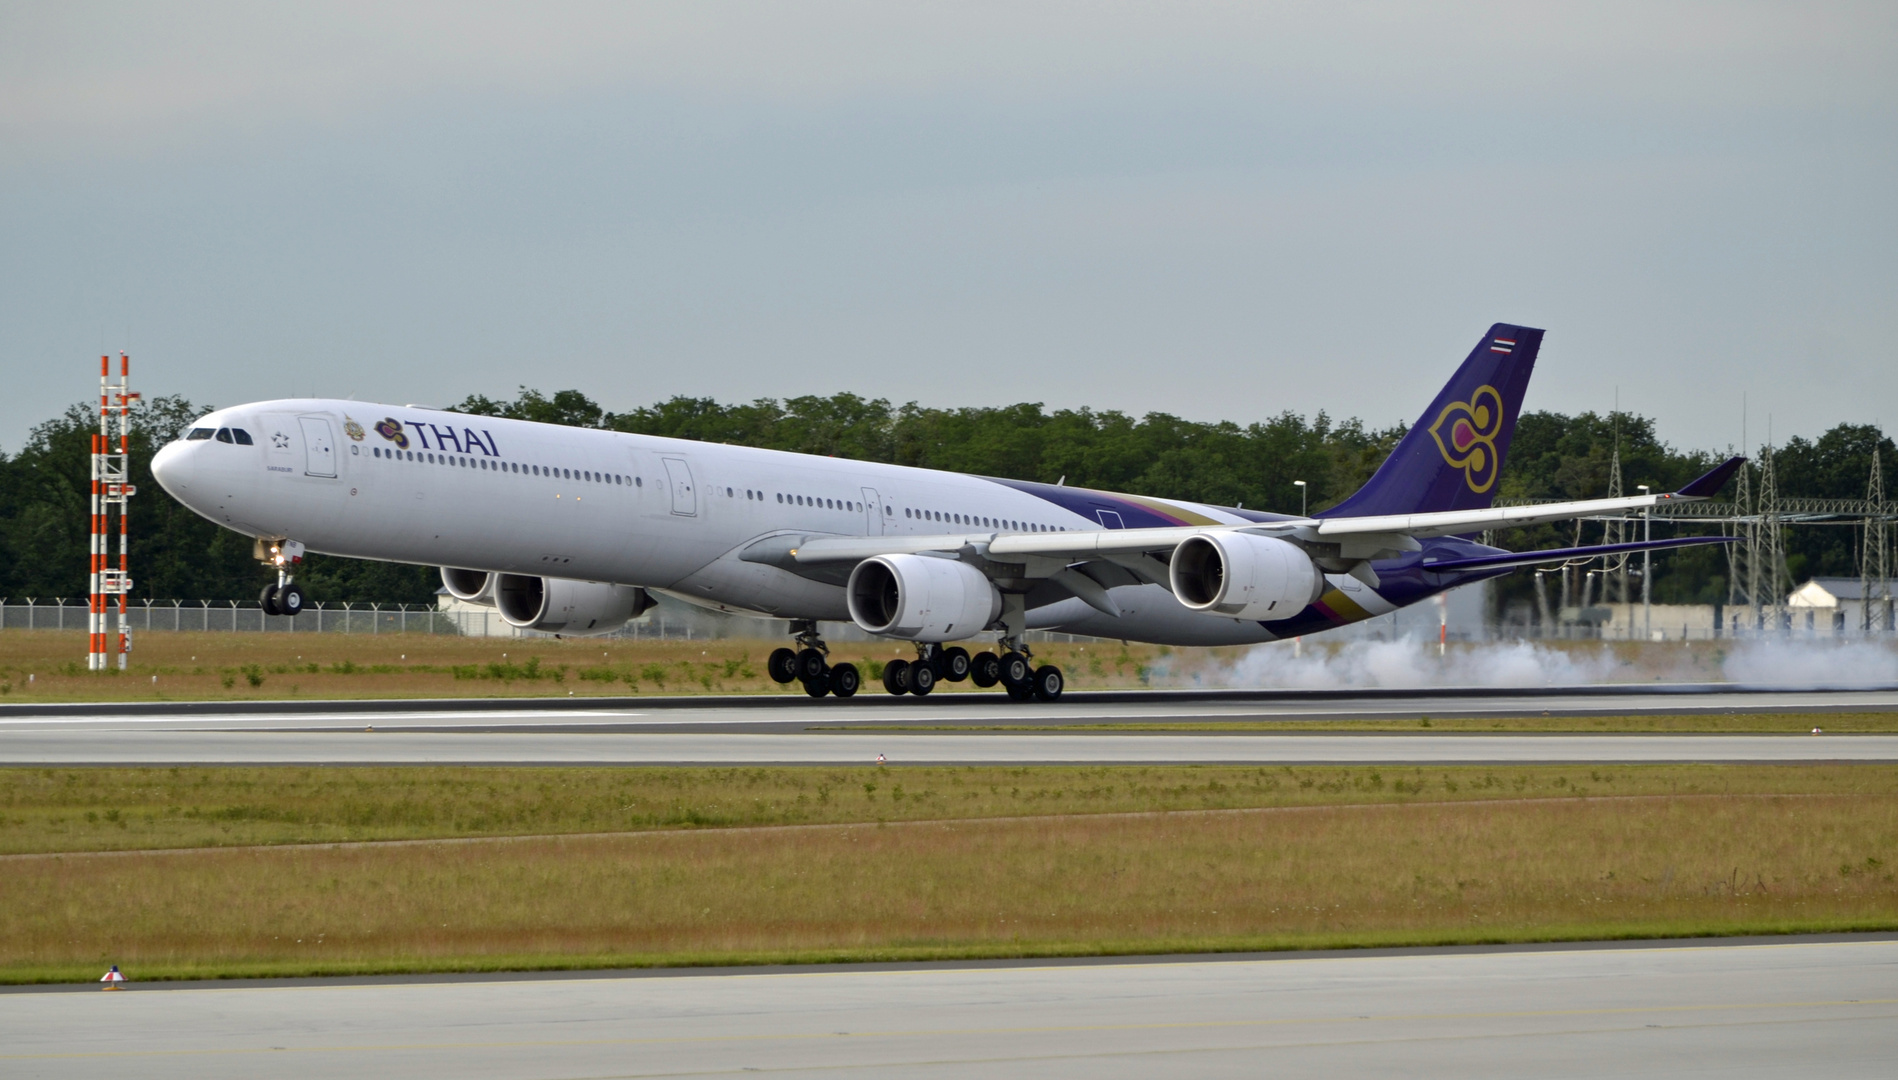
x,y
1216,210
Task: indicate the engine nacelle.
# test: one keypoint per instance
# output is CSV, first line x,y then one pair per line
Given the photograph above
x,y
565,606
1245,576
921,598
472,586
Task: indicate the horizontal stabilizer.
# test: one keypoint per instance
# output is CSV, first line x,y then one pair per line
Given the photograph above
x,y
1708,486
1532,558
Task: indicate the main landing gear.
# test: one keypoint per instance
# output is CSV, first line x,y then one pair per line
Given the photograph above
x,y
1012,669
808,664
284,596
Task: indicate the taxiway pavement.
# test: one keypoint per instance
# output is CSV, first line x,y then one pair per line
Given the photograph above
x,y
1793,1010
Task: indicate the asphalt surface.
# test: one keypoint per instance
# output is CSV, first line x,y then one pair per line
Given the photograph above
x,y
791,731
96,746
1806,1009
794,712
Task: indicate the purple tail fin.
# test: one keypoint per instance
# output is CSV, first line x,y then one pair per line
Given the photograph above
x,y
1451,459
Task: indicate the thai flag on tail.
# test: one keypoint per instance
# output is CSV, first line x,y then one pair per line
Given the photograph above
x,y
1502,345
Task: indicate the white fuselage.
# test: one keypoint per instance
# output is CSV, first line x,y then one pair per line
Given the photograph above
x,y
412,485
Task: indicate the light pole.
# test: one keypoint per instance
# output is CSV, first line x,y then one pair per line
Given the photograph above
x,y
1647,564
1300,485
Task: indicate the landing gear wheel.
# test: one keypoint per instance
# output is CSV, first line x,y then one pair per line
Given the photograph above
x,y
985,669
268,600
1014,670
291,599
1048,682
844,680
810,664
782,665
819,686
1020,691
922,679
896,677
955,664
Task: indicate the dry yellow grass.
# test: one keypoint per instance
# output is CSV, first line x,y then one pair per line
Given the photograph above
x,y
99,809
253,666
1313,876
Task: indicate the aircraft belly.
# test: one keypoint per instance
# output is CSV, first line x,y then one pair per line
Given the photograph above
x,y
732,584
1148,613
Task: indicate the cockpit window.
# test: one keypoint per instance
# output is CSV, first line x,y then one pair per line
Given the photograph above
x,y
243,437
224,435
199,433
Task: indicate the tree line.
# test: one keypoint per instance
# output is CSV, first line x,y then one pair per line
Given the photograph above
x,y
176,554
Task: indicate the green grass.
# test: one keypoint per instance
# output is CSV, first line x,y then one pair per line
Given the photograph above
x,y
106,809
1086,884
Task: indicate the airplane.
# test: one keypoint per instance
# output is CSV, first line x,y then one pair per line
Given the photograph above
x,y
571,531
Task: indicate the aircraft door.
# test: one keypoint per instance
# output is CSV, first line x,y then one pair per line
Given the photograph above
x,y
872,513
685,500
319,451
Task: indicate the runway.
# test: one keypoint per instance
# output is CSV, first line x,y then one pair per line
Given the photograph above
x,y
276,747
1798,1009
788,712
792,731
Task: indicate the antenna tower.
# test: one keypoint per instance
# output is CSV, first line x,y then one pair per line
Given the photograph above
x,y
1768,557
1874,559
1740,585
111,489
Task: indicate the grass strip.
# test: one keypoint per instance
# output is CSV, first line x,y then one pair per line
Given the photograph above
x,y
46,809
1384,873
188,665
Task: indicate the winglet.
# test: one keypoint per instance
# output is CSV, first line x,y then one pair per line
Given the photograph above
x,y
1709,485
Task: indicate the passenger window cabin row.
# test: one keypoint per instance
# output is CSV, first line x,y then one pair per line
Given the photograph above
x,y
551,472
239,435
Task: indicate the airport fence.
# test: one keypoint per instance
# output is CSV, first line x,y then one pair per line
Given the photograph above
x,y
670,621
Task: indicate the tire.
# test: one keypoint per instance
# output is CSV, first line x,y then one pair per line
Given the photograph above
x,y
1020,691
896,677
1049,682
819,686
922,679
1015,670
844,680
268,600
291,599
985,669
782,665
955,664
810,664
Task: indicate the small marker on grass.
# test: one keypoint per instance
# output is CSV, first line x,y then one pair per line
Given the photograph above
x,y
112,978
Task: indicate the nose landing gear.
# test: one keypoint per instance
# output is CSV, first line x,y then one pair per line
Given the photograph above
x,y
285,596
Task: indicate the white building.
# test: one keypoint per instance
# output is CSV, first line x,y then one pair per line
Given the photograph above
x,y
1834,607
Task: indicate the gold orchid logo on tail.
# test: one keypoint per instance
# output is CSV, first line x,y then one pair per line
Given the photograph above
x,y
1466,434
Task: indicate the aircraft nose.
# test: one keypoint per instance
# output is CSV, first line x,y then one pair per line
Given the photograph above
x,y
171,468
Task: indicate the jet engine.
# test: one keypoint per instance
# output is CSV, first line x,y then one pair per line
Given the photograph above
x,y
565,606
1245,576
472,586
921,598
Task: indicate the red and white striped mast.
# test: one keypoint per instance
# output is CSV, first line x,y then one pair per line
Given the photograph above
x,y
111,488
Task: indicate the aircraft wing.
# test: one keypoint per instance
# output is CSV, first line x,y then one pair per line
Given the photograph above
x,y
1356,537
